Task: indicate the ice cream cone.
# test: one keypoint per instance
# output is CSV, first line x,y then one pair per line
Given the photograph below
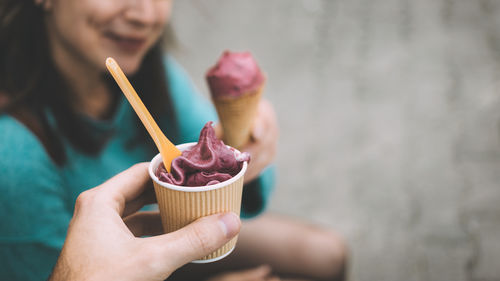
x,y
236,83
236,115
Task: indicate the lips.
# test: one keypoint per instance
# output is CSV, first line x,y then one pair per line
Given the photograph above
x,y
129,44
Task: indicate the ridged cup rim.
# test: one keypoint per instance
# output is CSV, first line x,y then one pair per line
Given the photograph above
x,y
155,162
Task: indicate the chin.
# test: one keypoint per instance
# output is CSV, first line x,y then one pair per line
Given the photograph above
x,y
129,67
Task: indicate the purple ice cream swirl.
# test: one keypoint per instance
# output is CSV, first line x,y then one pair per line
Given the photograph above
x,y
235,74
208,162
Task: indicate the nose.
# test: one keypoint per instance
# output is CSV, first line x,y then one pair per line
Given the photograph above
x,y
140,12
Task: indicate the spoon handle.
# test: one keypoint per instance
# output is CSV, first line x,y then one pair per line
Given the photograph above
x,y
167,149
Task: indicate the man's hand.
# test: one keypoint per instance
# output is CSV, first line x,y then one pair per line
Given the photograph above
x,y
103,241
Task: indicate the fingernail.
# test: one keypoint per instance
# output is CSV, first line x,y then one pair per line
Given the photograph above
x,y
230,224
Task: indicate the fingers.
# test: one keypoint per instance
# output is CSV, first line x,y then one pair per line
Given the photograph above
x,y
196,240
146,198
259,129
262,146
265,122
260,159
264,130
127,186
218,130
145,223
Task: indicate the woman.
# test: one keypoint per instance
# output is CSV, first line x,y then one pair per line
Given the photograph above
x,y
66,127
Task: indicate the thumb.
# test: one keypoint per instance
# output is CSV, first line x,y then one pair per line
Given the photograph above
x,y
197,239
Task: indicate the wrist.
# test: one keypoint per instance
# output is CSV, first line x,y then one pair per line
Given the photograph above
x,y
61,270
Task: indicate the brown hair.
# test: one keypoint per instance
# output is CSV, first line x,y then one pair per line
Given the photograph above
x,y
30,84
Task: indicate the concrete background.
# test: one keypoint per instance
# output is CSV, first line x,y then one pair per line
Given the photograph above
x,y
390,122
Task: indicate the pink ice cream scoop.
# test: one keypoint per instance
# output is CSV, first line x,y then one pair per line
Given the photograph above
x,y
206,163
234,74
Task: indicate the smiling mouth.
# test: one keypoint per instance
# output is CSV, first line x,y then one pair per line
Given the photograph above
x,y
128,44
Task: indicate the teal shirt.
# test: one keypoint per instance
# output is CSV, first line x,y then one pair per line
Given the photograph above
x,y
37,197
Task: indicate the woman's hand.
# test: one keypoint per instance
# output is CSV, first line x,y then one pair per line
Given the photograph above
x,y
262,142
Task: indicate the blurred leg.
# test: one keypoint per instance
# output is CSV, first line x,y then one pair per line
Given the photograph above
x,y
292,248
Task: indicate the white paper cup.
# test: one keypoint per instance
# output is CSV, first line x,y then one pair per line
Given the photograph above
x,y
181,205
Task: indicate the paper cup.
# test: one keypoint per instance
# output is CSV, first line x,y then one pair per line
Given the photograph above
x,y
181,205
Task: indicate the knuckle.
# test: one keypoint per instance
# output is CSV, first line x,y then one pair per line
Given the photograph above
x,y
201,239
84,199
138,166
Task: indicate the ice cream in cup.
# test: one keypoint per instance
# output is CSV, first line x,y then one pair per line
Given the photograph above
x,y
206,179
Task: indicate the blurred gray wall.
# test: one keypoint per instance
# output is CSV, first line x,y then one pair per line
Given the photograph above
x,y
390,122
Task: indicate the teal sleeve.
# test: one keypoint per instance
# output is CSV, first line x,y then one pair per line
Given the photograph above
x,y
35,216
192,112
256,193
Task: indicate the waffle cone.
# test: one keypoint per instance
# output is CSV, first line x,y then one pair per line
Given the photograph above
x,y
237,115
